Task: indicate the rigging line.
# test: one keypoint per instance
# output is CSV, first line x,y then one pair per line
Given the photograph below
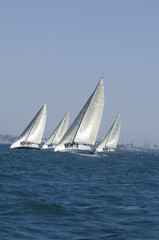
x,y
56,130
109,133
87,103
34,120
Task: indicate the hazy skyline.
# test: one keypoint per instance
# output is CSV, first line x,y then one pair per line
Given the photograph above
x,y
57,51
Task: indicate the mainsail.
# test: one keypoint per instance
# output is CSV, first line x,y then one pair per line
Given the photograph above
x,y
85,127
59,132
34,131
111,139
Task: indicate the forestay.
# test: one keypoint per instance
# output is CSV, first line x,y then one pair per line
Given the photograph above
x,y
34,131
59,132
111,139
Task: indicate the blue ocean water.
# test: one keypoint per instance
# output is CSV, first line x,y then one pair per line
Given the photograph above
x,y
46,195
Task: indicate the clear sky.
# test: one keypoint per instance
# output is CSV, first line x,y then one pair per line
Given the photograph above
x,y
56,51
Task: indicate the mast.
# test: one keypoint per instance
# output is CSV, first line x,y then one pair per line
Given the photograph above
x,y
39,129
93,110
112,136
89,100
34,121
59,132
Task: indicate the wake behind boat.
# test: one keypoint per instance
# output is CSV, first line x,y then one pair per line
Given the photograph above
x,y
32,135
82,134
110,141
57,135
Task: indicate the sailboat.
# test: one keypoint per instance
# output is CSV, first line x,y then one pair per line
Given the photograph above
x,y
110,141
32,135
58,133
81,135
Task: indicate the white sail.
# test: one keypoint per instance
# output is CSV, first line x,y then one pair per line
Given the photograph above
x,y
111,139
58,133
85,127
34,131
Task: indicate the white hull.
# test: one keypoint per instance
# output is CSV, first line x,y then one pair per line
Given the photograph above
x,y
49,146
80,148
25,146
105,150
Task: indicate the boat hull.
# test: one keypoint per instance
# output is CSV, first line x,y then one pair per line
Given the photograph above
x,y
25,146
105,150
52,146
83,149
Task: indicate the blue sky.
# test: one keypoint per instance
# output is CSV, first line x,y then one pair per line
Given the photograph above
x,y
56,51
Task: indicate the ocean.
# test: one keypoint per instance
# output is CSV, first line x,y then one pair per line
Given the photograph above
x,y
46,195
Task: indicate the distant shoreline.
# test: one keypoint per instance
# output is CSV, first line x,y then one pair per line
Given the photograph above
x,y
8,139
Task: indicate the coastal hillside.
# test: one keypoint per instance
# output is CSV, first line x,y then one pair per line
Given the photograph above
x,y
6,139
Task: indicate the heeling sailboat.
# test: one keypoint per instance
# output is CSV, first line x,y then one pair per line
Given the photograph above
x,y
32,135
58,133
110,141
82,134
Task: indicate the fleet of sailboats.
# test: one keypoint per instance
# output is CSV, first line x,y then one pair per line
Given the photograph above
x,y
81,135
110,141
58,133
32,135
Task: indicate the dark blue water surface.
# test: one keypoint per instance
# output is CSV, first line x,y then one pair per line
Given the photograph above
x,y
46,195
